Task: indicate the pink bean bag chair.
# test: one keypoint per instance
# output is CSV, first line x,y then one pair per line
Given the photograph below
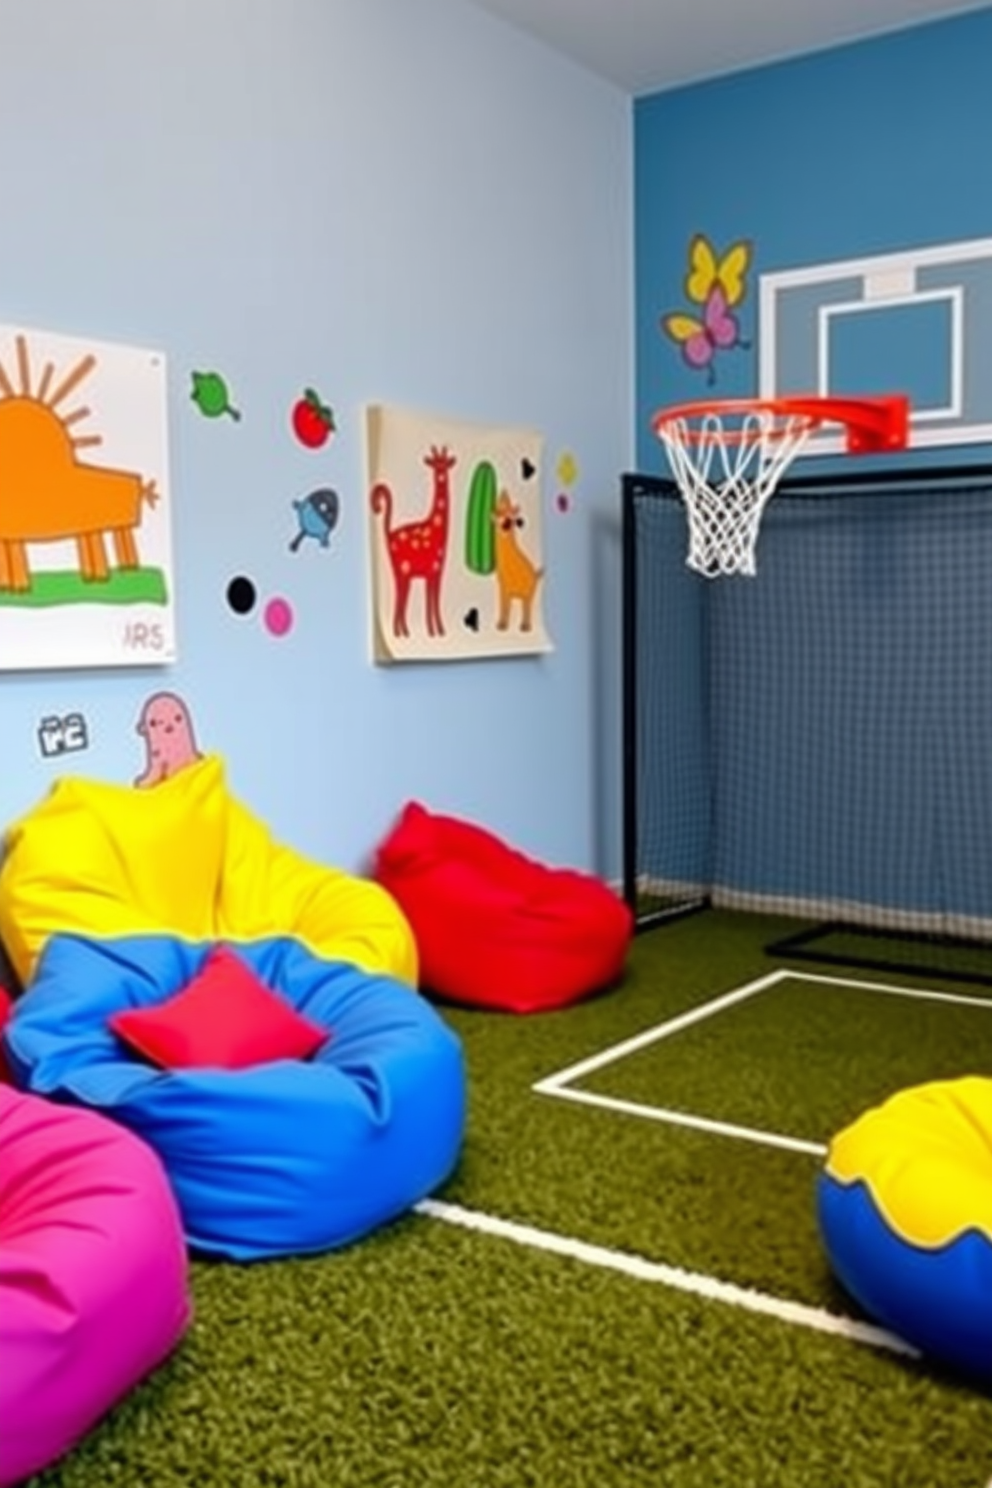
x,y
494,928
93,1281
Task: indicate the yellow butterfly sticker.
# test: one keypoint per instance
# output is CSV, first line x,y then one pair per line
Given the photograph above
x,y
708,272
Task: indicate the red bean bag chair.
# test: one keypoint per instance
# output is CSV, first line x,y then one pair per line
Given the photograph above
x,y
494,928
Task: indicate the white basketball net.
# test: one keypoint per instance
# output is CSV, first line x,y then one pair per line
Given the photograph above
x,y
726,481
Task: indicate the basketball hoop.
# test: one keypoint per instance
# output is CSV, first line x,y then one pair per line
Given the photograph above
x,y
728,456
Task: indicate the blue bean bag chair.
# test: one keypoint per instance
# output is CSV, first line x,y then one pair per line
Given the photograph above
x,y
905,1210
249,1013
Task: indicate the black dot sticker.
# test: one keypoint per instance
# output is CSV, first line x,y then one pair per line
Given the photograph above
x,y
241,595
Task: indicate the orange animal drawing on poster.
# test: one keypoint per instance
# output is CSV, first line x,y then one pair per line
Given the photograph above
x,y
517,576
47,494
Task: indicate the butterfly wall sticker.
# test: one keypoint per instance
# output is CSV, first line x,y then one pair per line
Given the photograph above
x,y
718,286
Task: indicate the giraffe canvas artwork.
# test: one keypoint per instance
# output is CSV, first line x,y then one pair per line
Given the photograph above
x,y
85,504
456,547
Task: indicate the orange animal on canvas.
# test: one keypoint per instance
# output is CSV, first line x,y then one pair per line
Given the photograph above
x,y
517,576
47,494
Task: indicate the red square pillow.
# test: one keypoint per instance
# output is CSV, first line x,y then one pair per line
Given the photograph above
x,y
225,1017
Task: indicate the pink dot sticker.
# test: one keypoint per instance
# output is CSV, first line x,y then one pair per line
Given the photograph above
x,y
278,617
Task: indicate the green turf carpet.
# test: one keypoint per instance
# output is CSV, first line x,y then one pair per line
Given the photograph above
x,y
427,1357
431,1355
803,1056
731,1208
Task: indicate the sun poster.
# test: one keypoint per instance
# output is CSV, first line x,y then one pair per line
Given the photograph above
x,y
85,504
455,538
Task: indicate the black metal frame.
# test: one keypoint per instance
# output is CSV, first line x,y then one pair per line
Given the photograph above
x,y
798,948
632,487
861,480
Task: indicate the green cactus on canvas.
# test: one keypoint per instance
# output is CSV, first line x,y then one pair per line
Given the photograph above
x,y
480,551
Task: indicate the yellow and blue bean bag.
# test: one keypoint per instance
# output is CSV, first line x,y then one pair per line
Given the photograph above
x,y
111,898
905,1211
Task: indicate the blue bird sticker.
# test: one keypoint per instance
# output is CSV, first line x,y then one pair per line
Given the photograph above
x,y
317,515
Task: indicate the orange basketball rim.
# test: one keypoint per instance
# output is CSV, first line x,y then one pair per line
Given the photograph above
x,y
728,456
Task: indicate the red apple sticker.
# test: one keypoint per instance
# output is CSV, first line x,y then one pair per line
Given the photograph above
x,y
313,421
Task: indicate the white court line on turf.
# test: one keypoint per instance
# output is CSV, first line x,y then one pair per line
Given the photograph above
x,y
551,1083
560,1083
692,1282
682,1118
548,1086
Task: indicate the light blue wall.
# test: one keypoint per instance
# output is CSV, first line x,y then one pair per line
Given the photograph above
x,y
407,203
864,149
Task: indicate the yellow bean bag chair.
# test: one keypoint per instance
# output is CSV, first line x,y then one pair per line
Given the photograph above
x,y
106,860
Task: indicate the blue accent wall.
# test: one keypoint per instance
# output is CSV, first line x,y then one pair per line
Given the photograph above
x,y
869,148
838,704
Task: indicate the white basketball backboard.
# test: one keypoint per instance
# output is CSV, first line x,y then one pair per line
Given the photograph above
x,y
917,322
